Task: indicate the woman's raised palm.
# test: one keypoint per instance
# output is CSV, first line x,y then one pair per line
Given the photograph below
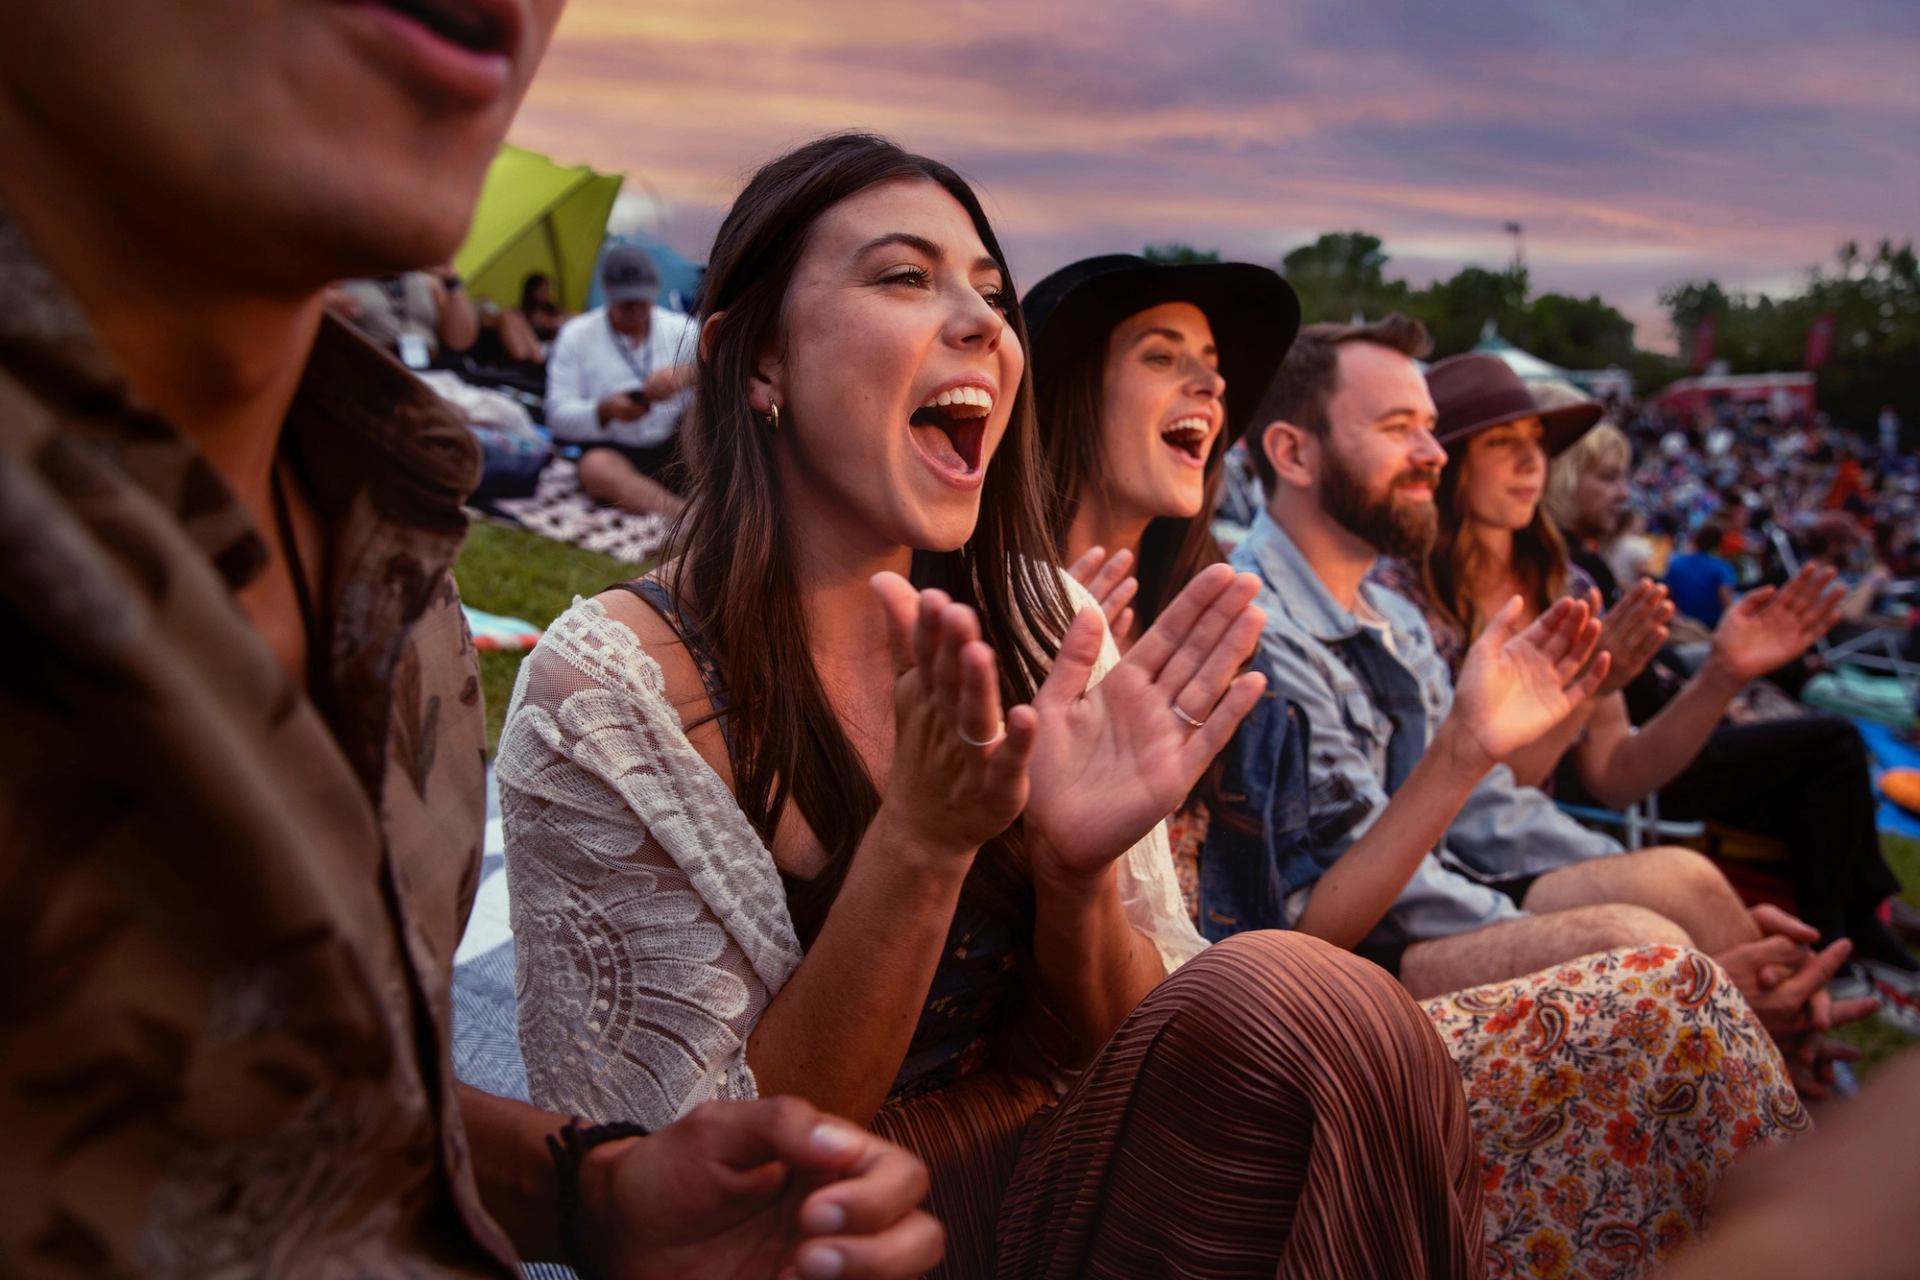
x,y
1514,687
1112,760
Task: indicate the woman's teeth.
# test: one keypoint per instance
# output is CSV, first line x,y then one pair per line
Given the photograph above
x,y
1189,435
960,417
963,397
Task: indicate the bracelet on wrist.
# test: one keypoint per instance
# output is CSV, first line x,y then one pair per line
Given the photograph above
x,y
569,1149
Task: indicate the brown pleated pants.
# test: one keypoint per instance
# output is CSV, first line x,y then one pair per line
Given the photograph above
x,y
1277,1107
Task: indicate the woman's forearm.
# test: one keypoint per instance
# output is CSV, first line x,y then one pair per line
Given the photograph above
x,y
1636,764
1533,764
1092,963
838,1031
1352,896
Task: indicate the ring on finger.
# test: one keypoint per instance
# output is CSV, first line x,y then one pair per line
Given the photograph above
x,y
1190,721
998,734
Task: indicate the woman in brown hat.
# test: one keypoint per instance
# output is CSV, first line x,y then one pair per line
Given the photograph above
x,y
1495,542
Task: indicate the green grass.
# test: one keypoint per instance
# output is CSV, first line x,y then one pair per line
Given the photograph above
x,y
1878,1042
521,574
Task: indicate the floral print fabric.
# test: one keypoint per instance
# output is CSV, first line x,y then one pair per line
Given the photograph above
x,y
1609,1095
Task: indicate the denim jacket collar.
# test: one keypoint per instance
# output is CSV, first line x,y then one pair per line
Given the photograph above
x,y
1304,596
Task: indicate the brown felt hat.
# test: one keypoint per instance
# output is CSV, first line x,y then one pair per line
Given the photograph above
x,y
1475,391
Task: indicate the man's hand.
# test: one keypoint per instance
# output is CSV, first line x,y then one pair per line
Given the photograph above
x,y
624,406
1108,578
1515,687
1770,627
1631,632
1785,981
751,1190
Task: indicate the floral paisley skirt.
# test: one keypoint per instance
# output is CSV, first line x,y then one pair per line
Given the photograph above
x,y
1608,1096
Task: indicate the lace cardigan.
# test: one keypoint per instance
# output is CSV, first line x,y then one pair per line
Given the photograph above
x,y
650,925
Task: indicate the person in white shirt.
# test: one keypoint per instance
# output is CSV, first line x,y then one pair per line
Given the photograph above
x,y
618,382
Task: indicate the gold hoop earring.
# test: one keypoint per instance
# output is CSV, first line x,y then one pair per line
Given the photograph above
x,y
773,416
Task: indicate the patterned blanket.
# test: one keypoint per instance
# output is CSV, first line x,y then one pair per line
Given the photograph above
x,y
561,509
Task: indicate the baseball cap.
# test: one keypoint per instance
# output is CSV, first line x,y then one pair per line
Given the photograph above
x,y
627,274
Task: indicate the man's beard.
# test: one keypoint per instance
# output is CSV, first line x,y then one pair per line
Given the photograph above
x,y
1403,530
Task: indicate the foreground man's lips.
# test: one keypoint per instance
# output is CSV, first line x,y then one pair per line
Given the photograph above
x,y
456,51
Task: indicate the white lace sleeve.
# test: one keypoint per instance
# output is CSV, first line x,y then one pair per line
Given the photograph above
x,y
650,926
1149,889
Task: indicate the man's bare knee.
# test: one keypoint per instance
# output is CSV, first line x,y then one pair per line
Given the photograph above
x,y
1612,926
1695,871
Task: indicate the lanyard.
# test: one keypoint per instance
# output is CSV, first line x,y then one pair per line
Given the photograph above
x,y
641,369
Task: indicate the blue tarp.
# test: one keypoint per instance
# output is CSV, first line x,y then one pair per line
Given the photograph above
x,y
1890,751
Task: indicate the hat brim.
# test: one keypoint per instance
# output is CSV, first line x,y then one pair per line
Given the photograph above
x,y
646,293
1559,428
1254,315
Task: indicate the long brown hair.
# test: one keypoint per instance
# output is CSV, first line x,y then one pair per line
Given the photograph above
x,y
733,571
1174,549
1458,563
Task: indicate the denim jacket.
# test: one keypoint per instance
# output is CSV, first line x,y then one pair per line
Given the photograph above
x,y
1373,692
1258,849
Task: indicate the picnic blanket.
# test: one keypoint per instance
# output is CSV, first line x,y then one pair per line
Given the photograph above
x,y
497,631
559,508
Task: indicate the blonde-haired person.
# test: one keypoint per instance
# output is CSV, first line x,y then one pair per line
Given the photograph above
x,y
1589,499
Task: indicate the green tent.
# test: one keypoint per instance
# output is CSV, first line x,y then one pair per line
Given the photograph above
x,y
1530,367
535,215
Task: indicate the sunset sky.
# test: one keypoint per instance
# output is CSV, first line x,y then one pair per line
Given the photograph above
x,y
1638,142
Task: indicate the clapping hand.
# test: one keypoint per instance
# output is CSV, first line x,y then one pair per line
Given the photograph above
x,y
1514,687
1112,760
1108,580
1771,626
1631,632
747,1190
959,775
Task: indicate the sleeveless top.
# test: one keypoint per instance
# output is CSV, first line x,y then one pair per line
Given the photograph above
x,y
976,979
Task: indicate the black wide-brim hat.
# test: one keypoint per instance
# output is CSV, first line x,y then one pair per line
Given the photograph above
x,y
1254,315
1475,391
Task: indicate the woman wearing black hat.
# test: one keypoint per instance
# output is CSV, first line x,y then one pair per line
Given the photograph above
x,y
1170,361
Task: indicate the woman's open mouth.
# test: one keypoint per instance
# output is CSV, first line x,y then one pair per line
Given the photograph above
x,y
950,430
1187,439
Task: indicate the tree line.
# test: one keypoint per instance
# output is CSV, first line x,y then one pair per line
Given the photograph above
x,y
1862,314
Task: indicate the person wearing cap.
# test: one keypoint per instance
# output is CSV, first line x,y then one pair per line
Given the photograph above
x,y
617,386
1493,880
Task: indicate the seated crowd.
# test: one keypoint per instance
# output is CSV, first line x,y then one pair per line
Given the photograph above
x,y
945,861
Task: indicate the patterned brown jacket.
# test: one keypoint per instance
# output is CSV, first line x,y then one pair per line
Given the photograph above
x,y
228,917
